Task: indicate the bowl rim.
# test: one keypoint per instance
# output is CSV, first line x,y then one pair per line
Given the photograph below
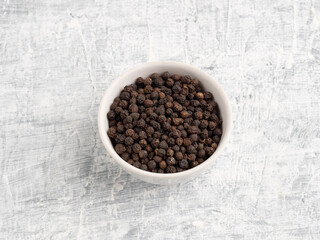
x,y
110,149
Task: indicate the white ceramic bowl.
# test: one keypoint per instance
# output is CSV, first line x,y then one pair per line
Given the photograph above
x,y
144,70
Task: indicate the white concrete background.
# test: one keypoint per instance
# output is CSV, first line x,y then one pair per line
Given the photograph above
x,y
58,57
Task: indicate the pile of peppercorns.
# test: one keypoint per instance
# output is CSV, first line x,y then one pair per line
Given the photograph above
x,y
164,123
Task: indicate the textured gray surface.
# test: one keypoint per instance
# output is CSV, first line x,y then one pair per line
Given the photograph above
x,y
57,59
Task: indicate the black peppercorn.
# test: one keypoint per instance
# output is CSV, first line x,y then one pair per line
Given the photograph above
x,y
160,152
112,132
143,154
165,75
120,148
171,169
125,96
171,161
183,164
111,115
162,164
163,144
129,141
136,148
119,138
152,164
178,155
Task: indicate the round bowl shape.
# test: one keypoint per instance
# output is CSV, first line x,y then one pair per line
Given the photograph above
x,y
144,70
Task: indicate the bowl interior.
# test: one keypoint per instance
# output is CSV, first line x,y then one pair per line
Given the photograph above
x,y
145,70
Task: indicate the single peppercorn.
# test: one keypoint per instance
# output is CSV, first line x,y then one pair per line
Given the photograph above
x,y
135,157
143,154
170,152
216,139
198,115
166,126
162,164
112,123
183,149
141,122
171,161
171,169
179,155
123,104
162,118
179,141
124,114
183,164
203,124
148,103
209,150
177,121
119,138
176,148
157,135
192,157
112,132
184,114
169,82
218,131
120,148
137,164
125,156
158,81
157,159
143,143
160,152
163,145
177,106
136,148
135,116
169,104
135,136
152,164
191,149
154,95
144,167
155,143
141,98
165,75
193,130
111,115
142,135
160,110
125,95
128,119
148,89
148,148
133,108
201,153
171,141
129,141
184,134
176,133
139,81
154,75
120,128
130,161
194,164
147,81
187,142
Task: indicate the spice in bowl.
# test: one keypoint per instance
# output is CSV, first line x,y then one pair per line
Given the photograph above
x,y
164,123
